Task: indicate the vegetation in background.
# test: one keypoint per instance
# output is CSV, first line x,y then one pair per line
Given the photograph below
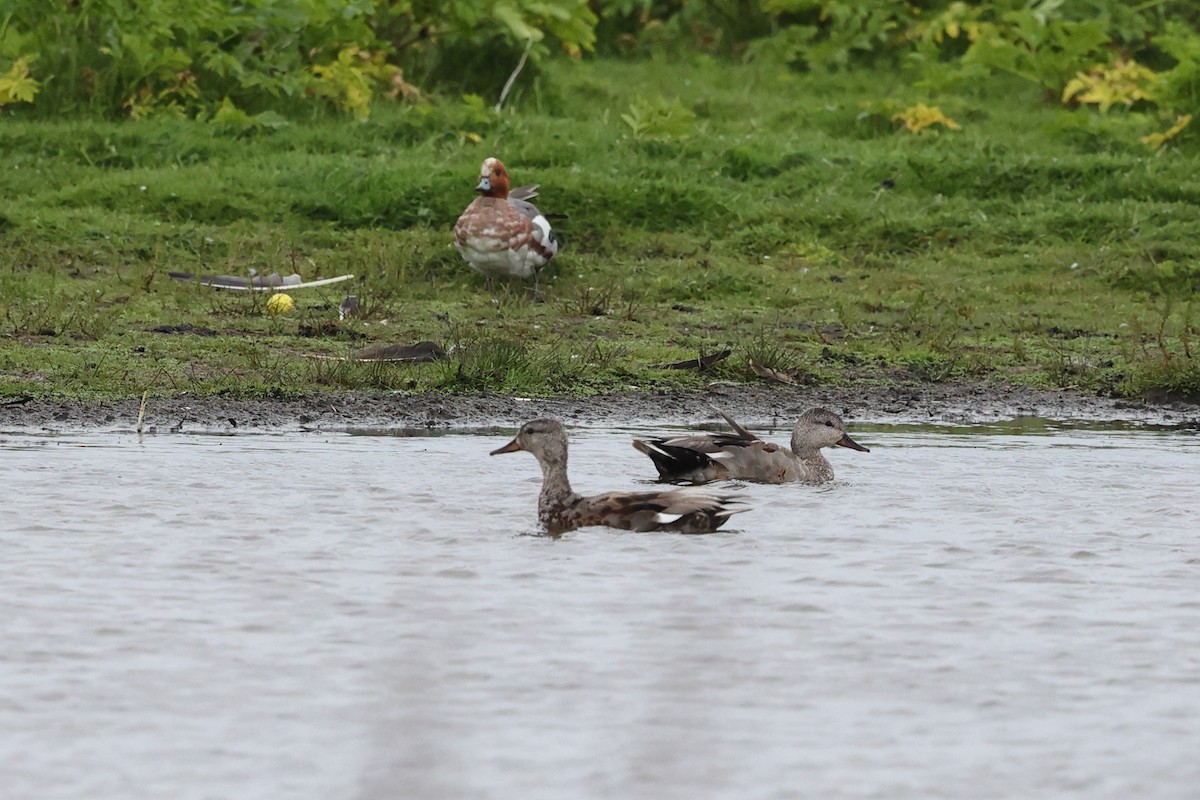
x,y
836,192
198,57
193,57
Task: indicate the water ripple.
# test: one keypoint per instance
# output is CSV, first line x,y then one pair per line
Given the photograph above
x,y
996,613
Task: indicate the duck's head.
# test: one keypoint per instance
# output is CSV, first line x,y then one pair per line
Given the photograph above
x,y
820,427
493,179
545,438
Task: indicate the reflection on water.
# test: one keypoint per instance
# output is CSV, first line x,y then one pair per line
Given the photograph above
x,y
350,616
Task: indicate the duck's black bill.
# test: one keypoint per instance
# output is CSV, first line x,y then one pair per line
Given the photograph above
x,y
511,447
846,441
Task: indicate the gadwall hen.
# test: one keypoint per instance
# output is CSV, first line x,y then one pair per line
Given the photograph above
x,y
560,509
501,232
701,458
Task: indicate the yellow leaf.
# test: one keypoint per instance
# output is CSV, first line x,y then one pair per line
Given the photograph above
x,y
17,86
1157,140
1104,86
920,117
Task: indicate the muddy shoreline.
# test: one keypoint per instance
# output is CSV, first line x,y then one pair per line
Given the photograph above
x,y
954,404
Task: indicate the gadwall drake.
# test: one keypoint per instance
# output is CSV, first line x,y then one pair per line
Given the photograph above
x,y
501,233
701,458
560,509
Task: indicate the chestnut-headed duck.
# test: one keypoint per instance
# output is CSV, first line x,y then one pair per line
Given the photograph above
x,y
501,233
701,458
560,509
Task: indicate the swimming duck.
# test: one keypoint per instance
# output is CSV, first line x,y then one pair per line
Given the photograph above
x,y
501,232
701,458
560,509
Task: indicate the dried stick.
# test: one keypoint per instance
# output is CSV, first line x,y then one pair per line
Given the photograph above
x,y
511,78
142,411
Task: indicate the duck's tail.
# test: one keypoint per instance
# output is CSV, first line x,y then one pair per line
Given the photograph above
x,y
673,462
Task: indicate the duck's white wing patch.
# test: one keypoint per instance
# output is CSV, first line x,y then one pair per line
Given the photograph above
x,y
652,446
666,519
542,227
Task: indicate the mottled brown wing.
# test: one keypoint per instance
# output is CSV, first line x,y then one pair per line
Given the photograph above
x,y
690,510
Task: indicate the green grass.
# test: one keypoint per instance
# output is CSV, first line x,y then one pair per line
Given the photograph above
x,y
790,222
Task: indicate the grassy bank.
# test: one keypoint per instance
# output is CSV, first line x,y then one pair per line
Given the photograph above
x,y
779,215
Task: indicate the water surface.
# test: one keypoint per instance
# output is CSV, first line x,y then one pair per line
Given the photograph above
x,y
997,612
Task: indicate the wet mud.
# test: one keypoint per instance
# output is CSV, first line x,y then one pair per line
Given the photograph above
x,y
918,403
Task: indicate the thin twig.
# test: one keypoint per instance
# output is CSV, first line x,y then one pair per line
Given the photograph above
x,y
513,77
142,411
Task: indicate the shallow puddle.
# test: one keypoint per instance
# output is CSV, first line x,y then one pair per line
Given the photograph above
x,y
1006,611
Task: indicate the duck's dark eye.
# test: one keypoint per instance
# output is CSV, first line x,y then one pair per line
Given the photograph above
x,y
828,424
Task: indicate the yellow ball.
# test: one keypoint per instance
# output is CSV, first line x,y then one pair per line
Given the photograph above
x,y
280,304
